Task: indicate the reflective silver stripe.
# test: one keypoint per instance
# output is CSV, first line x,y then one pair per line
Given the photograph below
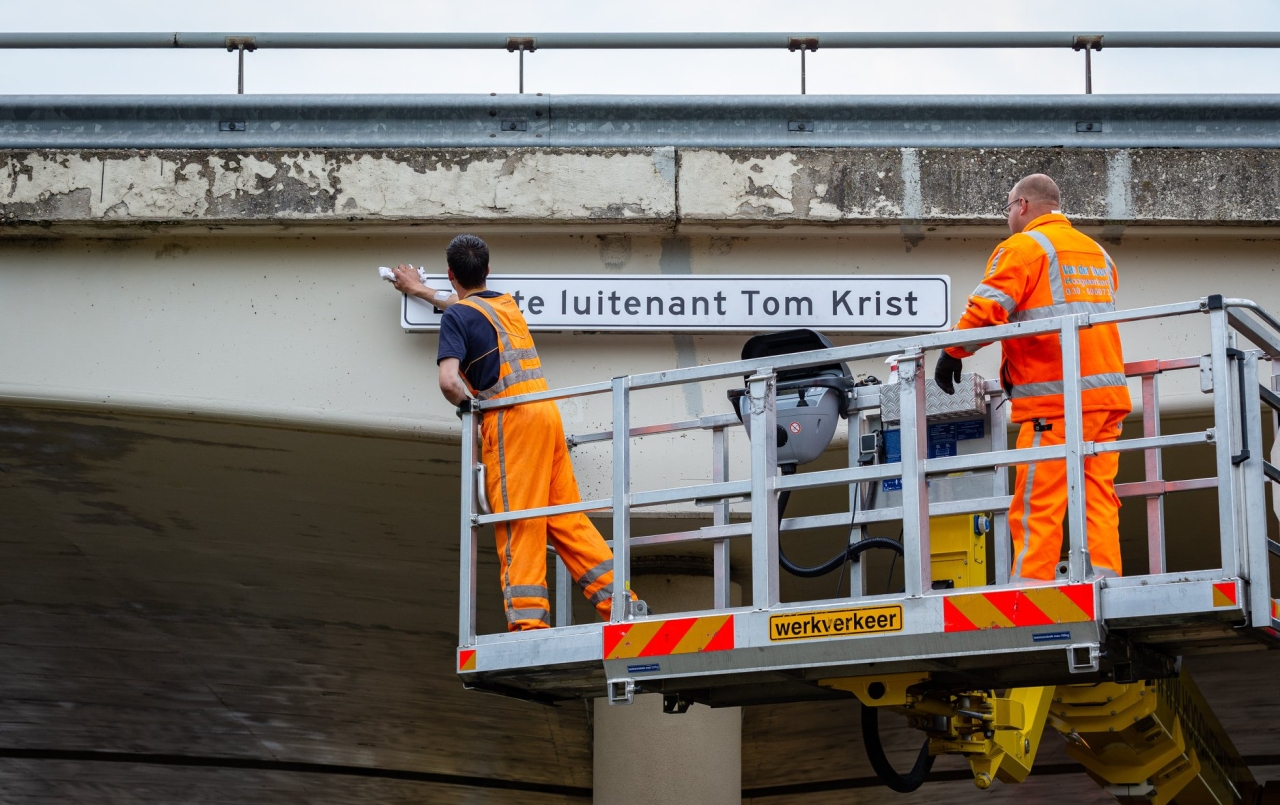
x,y
510,380
602,595
1103,380
972,348
1098,381
593,575
1105,572
493,319
1037,389
1001,298
1068,309
507,354
506,504
1053,272
514,615
991,269
516,355
1026,512
525,591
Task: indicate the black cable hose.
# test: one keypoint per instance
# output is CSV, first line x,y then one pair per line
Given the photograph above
x,y
902,783
852,551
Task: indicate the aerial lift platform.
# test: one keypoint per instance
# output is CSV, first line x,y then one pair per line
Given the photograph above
x,y
978,663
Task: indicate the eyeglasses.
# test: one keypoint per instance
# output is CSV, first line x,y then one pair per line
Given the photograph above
x,y
1005,209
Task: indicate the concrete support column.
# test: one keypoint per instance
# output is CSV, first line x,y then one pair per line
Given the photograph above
x,y
644,755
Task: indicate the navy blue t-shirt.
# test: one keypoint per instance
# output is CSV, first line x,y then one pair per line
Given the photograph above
x,y
467,335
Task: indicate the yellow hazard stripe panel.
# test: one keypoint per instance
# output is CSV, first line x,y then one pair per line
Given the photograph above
x,y
624,641
1032,606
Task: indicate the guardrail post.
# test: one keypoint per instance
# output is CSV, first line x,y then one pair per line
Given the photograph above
x,y
1225,430
564,594
857,427
1078,564
621,607
1253,484
764,497
916,567
1154,471
467,547
1000,519
720,516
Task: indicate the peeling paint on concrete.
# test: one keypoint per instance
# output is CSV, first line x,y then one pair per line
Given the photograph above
x,y
512,185
654,188
819,186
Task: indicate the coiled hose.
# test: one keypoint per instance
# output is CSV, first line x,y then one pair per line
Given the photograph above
x,y
902,783
850,552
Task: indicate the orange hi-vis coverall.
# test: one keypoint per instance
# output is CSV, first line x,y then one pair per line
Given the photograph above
x,y
1050,269
527,466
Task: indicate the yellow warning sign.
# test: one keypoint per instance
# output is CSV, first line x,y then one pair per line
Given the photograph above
x,y
836,623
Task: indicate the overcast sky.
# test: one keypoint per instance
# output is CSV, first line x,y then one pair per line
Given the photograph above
x,y
640,72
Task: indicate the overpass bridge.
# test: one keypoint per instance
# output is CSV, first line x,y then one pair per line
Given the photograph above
x,y
229,483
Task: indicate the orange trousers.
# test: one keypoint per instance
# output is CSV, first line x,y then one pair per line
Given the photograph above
x,y
1040,500
527,466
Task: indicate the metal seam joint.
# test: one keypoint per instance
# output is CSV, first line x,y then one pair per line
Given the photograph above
x,y
1093,42
234,43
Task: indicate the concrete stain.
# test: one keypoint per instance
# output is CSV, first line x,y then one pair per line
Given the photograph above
x,y
65,456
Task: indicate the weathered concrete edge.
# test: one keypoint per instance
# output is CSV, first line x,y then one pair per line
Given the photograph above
x,y
902,190
434,430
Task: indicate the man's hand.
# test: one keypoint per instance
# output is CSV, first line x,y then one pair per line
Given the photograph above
x,y
407,281
946,373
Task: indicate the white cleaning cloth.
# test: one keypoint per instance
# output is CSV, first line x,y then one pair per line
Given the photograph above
x,y
389,275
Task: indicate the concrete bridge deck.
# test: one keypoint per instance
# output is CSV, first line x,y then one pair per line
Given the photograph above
x,y
220,581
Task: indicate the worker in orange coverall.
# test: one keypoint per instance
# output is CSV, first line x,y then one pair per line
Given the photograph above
x,y
487,353
1048,269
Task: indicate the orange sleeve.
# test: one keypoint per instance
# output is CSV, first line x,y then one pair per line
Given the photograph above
x,y
1001,291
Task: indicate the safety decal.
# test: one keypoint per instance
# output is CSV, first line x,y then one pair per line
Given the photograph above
x,y
1050,637
1275,609
624,641
466,660
836,623
1224,594
1034,606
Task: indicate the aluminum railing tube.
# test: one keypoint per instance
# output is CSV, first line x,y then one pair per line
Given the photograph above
x,y
637,41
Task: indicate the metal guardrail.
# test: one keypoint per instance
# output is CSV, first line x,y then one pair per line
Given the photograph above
x,y
522,43
703,40
586,121
1231,374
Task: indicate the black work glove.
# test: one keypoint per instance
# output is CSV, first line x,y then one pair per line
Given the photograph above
x,y
946,373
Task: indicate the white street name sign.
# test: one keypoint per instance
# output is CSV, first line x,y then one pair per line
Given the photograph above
x,y
713,304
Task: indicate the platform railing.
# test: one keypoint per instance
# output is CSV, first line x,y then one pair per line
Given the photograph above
x,y
1232,375
529,42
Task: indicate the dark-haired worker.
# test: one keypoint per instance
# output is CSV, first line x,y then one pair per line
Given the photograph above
x,y
486,352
